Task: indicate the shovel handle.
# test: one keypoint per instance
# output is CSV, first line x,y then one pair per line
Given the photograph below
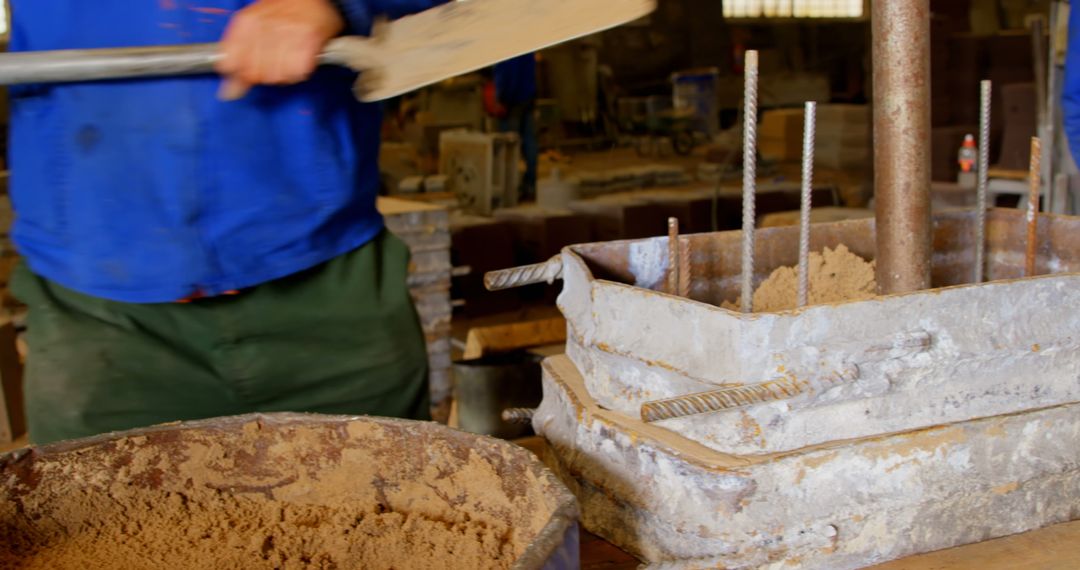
x,y
66,66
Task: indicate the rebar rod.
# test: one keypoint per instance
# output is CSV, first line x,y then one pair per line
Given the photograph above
x,y
749,178
985,102
809,129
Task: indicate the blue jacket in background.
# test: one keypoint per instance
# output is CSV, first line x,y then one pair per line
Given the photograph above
x,y
1070,98
154,190
515,80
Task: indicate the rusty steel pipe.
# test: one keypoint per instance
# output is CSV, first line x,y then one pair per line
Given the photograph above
x,y
901,55
674,267
1034,189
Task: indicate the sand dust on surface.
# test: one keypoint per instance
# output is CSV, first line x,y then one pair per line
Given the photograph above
x,y
81,518
836,275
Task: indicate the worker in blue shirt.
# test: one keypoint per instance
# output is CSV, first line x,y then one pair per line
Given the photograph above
x,y
1070,99
515,91
206,246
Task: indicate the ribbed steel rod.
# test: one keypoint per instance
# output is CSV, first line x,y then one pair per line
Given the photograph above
x,y
750,103
809,129
1034,188
741,396
985,101
518,415
546,272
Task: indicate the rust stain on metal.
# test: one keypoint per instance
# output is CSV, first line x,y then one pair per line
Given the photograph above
x,y
751,430
1006,488
927,440
673,277
816,461
1035,187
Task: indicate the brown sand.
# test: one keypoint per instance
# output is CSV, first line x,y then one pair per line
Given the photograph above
x,y
87,519
835,276
213,529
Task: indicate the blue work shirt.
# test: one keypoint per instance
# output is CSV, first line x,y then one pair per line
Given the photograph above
x,y
515,80
1070,98
154,190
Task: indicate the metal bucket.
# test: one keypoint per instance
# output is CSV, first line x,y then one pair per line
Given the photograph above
x,y
321,462
487,386
695,92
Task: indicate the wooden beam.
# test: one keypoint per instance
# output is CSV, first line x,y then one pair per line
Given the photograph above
x,y
483,341
12,411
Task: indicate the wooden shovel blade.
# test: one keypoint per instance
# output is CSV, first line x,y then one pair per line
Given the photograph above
x,y
462,37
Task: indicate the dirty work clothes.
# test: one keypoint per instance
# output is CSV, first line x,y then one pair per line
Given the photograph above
x,y
521,119
1070,95
152,190
340,338
515,80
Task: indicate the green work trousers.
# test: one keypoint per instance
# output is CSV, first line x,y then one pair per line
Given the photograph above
x,y
340,338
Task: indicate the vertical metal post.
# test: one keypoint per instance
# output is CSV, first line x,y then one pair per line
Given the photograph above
x,y
985,92
1035,186
809,128
674,267
1038,53
1050,107
901,55
685,274
750,104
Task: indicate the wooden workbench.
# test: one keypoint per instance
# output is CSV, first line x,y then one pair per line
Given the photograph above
x,y
1052,548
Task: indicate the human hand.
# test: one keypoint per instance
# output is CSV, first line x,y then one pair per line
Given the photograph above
x,y
275,42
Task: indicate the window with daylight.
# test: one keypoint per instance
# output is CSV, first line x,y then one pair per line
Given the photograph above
x,y
793,8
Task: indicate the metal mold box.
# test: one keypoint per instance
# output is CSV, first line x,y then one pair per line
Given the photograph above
x,y
887,365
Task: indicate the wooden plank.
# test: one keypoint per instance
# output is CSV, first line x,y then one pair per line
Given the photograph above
x,y
599,554
395,206
12,411
1007,174
1052,548
21,442
461,37
483,341
535,444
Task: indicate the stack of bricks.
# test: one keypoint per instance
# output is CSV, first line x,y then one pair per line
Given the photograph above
x,y
426,230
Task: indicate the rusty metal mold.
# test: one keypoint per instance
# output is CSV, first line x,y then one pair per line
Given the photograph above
x,y
680,505
950,354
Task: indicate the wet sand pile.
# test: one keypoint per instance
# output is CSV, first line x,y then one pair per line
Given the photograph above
x,y
835,276
208,505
